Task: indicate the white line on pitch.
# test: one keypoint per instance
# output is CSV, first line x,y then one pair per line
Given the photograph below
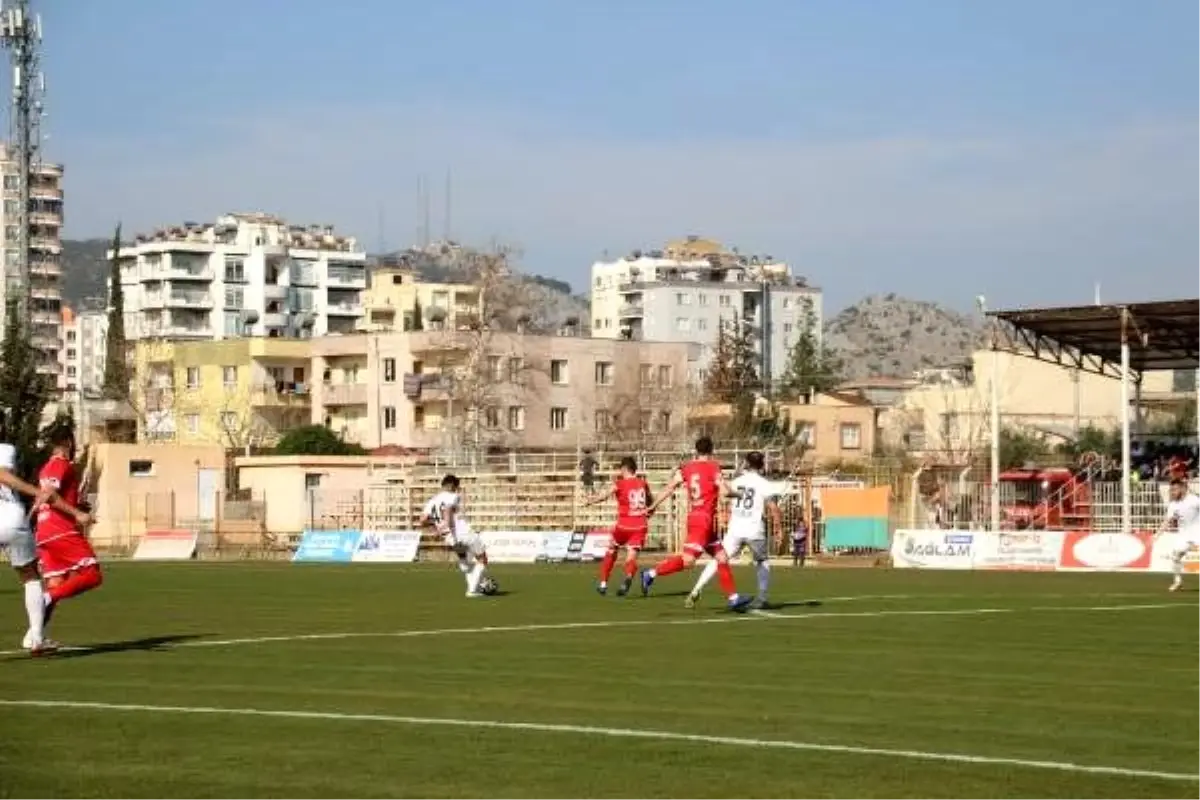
x,y
622,733
635,623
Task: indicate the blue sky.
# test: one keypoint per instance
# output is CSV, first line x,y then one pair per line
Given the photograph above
x,y
935,148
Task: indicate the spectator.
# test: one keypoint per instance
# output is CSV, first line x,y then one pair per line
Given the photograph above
x,y
587,471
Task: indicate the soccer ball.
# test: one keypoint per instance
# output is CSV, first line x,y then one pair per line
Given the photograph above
x,y
488,585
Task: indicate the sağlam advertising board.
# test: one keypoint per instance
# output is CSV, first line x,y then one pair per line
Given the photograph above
x,y
1031,551
934,549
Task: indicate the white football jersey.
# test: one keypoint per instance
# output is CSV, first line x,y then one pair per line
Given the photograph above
x,y
436,507
1185,512
751,491
8,461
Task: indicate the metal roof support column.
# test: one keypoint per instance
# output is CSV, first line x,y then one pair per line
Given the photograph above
x,y
1126,467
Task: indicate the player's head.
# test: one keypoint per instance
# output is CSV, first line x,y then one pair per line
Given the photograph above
x,y
704,446
755,462
1178,489
628,466
61,439
451,483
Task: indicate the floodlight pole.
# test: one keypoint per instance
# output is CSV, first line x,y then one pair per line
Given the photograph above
x,y
994,389
1126,457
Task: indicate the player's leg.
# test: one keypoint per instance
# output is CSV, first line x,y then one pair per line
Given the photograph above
x,y
616,539
762,570
732,544
725,577
18,541
632,547
698,532
1184,544
479,558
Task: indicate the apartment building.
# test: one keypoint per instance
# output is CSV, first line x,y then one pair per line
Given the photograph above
x,y
238,393
471,389
244,275
688,290
45,258
397,301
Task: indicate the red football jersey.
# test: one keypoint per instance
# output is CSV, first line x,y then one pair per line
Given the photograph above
x,y
703,481
57,474
633,498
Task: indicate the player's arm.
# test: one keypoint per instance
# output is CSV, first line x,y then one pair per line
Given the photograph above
x,y
668,490
43,496
600,498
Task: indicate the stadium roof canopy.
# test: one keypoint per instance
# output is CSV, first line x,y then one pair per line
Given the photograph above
x,y
1161,335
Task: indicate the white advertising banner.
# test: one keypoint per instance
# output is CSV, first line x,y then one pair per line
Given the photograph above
x,y
934,549
595,545
1032,551
513,547
387,547
166,546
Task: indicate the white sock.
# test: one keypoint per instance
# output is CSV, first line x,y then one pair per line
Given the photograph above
x,y
1177,565
763,571
35,607
710,569
474,576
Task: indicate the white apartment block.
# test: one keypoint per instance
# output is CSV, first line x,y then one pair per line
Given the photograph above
x,y
82,352
689,289
45,242
243,275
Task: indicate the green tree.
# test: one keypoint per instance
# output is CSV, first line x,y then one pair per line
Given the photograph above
x,y
23,391
1092,440
116,364
733,371
315,440
1018,448
810,365
1182,423
418,317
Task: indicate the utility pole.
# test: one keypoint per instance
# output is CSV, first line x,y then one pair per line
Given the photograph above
x,y
21,35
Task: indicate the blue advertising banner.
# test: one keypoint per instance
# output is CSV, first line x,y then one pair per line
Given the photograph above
x,y
328,546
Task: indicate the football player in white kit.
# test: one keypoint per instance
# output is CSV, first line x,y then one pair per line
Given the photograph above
x,y
16,537
442,513
753,498
1183,514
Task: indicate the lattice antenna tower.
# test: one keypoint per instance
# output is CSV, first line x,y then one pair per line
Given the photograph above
x,y
21,35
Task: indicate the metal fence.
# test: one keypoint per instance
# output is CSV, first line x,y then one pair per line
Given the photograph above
x,y
233,525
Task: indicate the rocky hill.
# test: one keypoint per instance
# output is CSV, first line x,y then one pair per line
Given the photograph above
x,y
893,336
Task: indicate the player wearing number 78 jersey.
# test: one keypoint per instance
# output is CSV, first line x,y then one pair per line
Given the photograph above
x,y
633,523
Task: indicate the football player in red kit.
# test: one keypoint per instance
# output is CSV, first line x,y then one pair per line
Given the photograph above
x,y
633,523
705,487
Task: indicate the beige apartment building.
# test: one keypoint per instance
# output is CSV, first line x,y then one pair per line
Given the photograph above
x,y
472,388
397,301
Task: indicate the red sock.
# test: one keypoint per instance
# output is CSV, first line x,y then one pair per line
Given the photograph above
x,y
725,576
669,566
606,566
77,582
630,567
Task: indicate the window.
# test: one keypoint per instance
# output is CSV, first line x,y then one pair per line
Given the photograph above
x,y
312,480
235,270
597,323
516,368
851,436
141,468
787,303
516,418
234,298
683,324
193,378
70,372
491,417
787,327
229,377
703,299
806,433
604,373
644,421
683,299
389,417
724,301
496,368
701,324
419,417
193,423
664,422
558,419
1183,380
603,419
389,370
70,352
646,373
70,336
558,372
664,376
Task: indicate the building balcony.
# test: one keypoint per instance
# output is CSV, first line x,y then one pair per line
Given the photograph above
x,y
47,318
45,268
348,279
280,395
428,387
202,300
177,331
343,310
44,342
50,244
631,311
45,218
273,291
344,394
44,192
274,319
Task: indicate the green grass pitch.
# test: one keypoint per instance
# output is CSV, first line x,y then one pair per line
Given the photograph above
x,y
280,680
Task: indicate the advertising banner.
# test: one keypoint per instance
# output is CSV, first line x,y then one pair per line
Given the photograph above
x,y
1107,552
166,546
328,546
387,547
1033,551
512,547
934,549
595,544
556,545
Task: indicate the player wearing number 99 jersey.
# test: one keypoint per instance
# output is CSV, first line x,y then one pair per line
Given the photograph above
x,y
633,523
705,486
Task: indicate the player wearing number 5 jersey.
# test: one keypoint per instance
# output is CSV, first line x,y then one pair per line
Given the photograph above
x,y
753,501
633,523
705,486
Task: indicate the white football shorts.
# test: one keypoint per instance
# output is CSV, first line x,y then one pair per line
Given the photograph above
x,y
733,544
16,537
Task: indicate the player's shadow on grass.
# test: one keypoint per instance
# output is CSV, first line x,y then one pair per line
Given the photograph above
x,y
146,644
774,606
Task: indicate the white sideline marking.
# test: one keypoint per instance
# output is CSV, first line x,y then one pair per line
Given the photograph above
x,y
629,623
626,733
